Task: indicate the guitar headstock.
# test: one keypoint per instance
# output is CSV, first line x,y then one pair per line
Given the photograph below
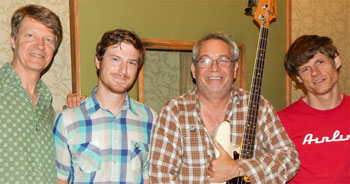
x,y
265,12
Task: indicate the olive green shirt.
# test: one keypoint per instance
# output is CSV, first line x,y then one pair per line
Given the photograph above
x,y
27,152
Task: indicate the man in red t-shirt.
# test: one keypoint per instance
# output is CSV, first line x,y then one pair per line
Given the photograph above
x,y
319,122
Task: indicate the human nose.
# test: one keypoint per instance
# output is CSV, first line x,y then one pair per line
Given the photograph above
x,y
214,65
41,43
314,71
123,67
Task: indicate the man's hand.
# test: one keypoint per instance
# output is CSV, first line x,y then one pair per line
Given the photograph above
x,y
62,181
223,168
73,100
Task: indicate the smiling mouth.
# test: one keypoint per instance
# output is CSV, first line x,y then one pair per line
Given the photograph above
x,y
318,81
37,55
214,78
120,79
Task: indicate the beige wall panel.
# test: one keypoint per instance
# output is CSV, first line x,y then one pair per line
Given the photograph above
x,y
327,18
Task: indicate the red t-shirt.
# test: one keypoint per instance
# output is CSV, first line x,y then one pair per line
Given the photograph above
x,y
322,139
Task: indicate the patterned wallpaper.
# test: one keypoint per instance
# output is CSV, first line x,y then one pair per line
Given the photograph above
x,y
167,82
58,78
327,18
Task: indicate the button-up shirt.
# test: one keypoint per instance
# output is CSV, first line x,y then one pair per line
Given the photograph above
x,y
27,153
95,146
182,148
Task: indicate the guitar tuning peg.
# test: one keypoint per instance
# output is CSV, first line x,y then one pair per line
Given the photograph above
x,y
251,3
248,11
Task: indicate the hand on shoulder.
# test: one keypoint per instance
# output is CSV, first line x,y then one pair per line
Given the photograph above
x,y
73,100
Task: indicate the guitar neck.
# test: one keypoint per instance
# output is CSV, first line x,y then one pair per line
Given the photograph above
x,y
248,140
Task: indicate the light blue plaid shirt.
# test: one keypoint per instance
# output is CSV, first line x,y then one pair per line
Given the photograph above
x,y
94,146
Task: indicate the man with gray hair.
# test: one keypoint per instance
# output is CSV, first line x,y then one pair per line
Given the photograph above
x,y
27,152
182,148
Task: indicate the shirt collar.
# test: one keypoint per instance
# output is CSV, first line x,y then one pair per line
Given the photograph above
x,y
12,79
234,99
93,104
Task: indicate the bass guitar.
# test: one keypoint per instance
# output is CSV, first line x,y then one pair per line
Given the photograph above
x,y
264,14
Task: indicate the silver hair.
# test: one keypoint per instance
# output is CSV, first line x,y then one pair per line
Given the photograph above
x,y
217,36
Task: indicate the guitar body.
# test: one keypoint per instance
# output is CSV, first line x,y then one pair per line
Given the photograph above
x,y
222,135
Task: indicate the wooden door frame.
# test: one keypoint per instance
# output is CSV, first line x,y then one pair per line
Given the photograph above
x,y
288,42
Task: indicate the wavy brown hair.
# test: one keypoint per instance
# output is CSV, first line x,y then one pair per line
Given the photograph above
x,y
305,48
40,14
118,36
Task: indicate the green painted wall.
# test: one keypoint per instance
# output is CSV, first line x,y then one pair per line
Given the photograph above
x,y
184,20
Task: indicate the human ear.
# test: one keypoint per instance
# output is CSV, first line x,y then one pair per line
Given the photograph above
x,y
337,61
97,63
193,70
235,69
13,42
299,80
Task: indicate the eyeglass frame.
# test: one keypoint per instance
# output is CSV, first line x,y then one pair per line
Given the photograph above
x,y
211,61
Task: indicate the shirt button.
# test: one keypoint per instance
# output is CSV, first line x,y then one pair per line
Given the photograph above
x,y
136,145
192,129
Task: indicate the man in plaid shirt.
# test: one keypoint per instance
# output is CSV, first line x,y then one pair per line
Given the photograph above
x,y
182,149
106,138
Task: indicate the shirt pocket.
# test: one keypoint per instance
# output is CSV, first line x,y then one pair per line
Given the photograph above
x,y
87,156
138,154
138,157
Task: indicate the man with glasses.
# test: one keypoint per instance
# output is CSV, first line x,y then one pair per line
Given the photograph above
x,y
182,149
